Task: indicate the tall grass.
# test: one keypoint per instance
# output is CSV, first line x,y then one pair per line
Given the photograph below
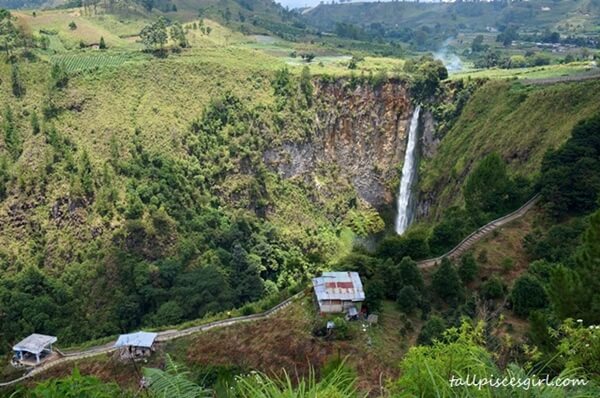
x,y
340,382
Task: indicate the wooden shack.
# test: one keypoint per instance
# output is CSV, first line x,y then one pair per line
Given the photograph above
x,y
136,345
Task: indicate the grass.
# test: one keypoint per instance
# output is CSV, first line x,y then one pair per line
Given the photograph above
x,y
541,72
284,341
89,28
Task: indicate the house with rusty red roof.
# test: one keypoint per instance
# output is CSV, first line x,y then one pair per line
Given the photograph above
x,y
339,292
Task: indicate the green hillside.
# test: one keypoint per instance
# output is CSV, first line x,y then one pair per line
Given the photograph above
x,y
520,122
165,164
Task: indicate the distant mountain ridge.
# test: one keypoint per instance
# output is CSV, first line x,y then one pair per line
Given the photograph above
x,y
15,4
457,15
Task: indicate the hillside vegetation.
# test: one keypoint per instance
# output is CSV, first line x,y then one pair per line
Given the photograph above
x,y
519,122
132,184
160,167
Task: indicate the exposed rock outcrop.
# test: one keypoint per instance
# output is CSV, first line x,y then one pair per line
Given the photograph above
x,y
360,130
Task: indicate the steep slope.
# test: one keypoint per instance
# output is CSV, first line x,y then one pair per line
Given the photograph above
x,y
358,131
137,190
520,122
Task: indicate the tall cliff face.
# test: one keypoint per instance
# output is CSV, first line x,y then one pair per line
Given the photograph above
x,y
360,131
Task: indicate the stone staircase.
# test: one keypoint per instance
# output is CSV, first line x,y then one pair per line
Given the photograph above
x,y
480,233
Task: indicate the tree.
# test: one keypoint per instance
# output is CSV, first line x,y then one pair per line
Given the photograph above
x,y
570,176
11,36
282,83
18,89
178,35
169,313
489,191
12,139
59,76
492,289
408,299
307,57
413,245
392,279
72,25
374,291
477,44
306,86
155,35
509,35
4,177
468,268
148,4
566,292
410,274
102,45
427,79
86,174
446,282
453,227
527,294
588,268
245,276
135,206
432,330
35,123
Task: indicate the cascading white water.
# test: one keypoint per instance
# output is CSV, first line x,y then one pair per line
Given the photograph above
x,y
408,174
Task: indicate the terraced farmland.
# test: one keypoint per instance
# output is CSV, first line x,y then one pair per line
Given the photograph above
x,y
87,61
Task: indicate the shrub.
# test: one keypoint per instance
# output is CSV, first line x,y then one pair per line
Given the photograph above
x,y
492,289
432,330
508,263
18,89
341,330
248,309
527,294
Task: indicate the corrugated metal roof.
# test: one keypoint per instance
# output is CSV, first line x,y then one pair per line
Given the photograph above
x,y
35,343
139,339
345,286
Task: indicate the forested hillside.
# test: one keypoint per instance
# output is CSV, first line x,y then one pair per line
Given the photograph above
x,y
165,164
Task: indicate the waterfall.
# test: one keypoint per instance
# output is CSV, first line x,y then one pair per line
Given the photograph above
x,y
409,171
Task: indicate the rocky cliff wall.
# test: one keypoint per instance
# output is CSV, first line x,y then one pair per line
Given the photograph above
x,y
360,130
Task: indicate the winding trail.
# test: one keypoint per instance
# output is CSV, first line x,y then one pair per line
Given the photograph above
x,y
477,235
162,336
167,335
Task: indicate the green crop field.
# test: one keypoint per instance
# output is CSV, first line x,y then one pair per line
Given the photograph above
x,y
86,61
